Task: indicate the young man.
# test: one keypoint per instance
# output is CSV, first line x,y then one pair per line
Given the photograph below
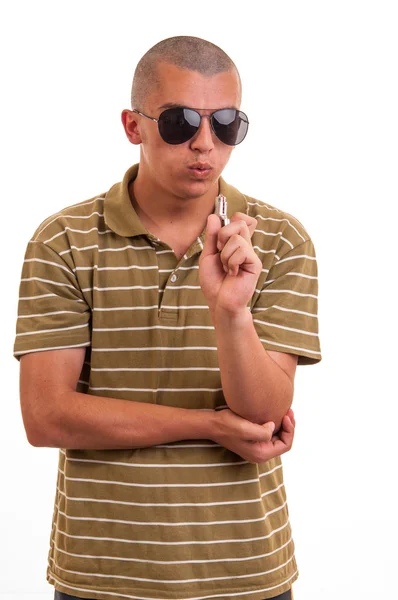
x,y
158,347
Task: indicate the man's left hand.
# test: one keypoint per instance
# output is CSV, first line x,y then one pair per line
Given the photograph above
x,y
229,268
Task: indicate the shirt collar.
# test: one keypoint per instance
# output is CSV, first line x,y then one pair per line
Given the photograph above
x,y
119,213
120,216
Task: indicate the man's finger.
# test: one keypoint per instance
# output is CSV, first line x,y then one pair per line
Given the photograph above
x,y
251,222
286,433
290,414
287,423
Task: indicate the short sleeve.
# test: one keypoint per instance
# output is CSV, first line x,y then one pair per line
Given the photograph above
x,y
285,313
52,312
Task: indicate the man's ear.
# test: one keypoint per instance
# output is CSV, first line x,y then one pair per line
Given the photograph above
x,y
130,124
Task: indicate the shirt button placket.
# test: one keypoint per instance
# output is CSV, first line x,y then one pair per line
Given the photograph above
x,y
169,299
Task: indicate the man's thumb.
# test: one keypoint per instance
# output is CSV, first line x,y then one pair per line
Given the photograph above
x,y
211,237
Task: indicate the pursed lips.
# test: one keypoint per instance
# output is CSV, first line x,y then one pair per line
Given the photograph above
x,y
200,167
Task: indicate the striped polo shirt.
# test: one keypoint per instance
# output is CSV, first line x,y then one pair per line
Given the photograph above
x,y
183,520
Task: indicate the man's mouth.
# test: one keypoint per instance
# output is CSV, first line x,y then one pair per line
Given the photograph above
x,y
200,169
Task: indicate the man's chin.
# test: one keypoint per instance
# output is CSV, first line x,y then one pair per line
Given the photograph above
x,y
197,189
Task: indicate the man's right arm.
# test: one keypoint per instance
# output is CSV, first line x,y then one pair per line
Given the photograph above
x,y
57,416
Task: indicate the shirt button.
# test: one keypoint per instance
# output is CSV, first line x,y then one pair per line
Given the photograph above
x,y
173,278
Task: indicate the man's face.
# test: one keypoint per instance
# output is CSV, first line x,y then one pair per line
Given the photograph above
x,y
171,167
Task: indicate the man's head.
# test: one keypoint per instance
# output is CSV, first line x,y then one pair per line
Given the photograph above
x,y
184,52
182,72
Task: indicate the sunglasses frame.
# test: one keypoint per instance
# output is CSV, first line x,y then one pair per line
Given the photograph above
x,y
210,115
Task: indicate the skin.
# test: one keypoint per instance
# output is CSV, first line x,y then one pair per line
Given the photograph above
x,y
176,206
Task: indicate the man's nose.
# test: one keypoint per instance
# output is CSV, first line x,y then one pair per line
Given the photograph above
x,y
203,139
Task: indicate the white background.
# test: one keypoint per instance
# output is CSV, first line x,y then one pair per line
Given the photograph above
x,y
320,89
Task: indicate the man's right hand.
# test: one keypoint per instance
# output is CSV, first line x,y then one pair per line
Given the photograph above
x,y
254,443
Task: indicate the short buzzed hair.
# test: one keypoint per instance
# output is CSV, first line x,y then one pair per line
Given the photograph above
x,y
185,52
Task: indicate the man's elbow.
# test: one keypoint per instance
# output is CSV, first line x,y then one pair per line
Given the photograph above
x,y
276,406
39,428
37,435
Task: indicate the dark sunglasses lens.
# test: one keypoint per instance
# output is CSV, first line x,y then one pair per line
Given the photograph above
x,y
177,125
230,125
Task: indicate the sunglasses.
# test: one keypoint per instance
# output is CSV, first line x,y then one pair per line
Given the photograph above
x,y
179,124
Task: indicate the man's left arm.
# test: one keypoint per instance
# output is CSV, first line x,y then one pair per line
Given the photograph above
x,y
257,375
257,384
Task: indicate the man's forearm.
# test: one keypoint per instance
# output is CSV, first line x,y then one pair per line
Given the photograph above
x,y
82,421
254,385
